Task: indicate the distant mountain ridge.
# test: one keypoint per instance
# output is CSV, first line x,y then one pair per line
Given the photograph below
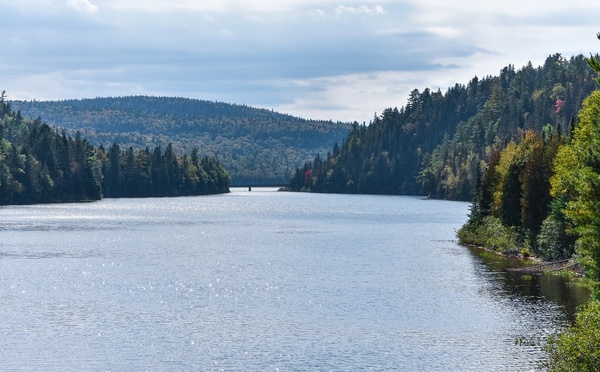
x,y
257,146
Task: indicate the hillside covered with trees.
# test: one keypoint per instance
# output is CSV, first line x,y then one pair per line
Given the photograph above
x,y
39,164
540,195
256,146
524,146
438,142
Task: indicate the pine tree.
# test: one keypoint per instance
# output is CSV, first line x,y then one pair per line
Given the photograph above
x,y
594,62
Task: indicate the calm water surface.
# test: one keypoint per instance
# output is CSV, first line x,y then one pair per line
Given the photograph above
x,y
263,281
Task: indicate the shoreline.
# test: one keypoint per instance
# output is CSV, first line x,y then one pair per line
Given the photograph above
x,y
536,264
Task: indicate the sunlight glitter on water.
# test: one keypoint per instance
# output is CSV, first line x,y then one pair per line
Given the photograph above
x,y
259,280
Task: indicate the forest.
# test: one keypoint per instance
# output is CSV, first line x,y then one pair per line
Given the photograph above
x,y
438,142
144,173
39,164
509,143
540,194
256,146
523,146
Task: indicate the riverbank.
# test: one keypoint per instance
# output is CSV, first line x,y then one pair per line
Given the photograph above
x,y
535,265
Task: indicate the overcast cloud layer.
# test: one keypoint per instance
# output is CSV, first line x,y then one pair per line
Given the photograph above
x,y
339,60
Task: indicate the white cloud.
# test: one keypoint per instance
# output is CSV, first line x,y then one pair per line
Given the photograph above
x,y
217,6
363,9
83,6
358,97
334,59
448,31
316,14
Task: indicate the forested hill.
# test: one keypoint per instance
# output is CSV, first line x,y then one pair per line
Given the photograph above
x,y
39,164
254,145
438,142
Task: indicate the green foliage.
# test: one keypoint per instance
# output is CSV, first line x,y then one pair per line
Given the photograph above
x,y
578,347
553,242
515,193
556,240
535,180
141,173
546,188
436,144
254,145
40,165
594,62
510,205
577,181
492,234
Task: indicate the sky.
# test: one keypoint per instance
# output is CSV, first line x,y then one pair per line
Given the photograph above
x,y
340,60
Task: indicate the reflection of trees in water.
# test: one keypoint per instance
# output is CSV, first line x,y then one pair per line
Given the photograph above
x,y
530,290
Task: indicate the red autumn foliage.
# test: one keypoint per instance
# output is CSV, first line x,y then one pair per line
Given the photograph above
x,y
307,175
560,103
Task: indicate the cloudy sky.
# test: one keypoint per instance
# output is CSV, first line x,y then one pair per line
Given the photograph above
x,y
342,60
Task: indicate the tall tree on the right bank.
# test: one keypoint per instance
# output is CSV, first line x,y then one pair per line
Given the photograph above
x,y
576,185
577,181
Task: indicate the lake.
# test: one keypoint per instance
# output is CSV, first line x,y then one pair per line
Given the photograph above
x,y
264,280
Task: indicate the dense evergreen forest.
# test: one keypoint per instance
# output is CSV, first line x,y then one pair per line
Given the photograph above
x,y
524,146
438,142
39,164
540,195
143,173
256,146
